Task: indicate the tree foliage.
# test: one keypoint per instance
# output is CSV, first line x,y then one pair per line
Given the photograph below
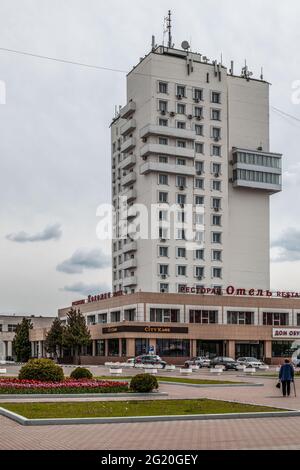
x,y
21,343
54,337
76,333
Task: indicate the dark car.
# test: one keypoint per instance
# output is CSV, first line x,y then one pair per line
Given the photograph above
x,y
154,360
227,362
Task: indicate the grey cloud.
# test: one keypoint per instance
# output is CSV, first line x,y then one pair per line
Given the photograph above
x,y
51,232
84,259
288,245
86,289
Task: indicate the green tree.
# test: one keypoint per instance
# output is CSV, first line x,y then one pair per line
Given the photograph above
x,y
54,338
76,333
21,343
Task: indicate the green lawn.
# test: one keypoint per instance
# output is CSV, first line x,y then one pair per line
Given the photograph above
x,y
184,380
130,408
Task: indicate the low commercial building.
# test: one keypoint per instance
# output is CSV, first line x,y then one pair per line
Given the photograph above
x,y
177,326
8,325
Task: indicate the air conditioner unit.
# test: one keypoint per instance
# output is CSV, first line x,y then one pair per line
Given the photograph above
x,y
163,276
162,240
196,100
181,188
163,112
216,139
199,172
216,209
144,139
190,116
200,278
217,175
230,180
179,97
198,118
145,157
182,206
172,113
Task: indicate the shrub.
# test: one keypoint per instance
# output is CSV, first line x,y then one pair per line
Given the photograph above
x,y
81,373
143,383
43,370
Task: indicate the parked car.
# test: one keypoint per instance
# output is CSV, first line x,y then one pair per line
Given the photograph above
x,y
198,361
131,360
249,362
227,362
296,361
150,359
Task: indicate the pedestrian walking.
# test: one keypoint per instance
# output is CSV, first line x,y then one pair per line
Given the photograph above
x,y
286,376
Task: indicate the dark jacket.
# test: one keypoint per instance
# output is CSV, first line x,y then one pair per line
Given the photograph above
x,y
286,372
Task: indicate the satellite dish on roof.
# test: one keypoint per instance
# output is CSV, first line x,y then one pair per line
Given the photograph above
x,y
185,45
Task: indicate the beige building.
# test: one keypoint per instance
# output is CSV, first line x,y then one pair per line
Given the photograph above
x,y
182,325
193,134
8,324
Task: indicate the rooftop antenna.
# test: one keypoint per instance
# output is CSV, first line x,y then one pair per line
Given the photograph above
x,y
169,29
153,45
262,73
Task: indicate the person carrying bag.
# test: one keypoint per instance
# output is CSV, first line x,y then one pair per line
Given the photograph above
x,y
286,376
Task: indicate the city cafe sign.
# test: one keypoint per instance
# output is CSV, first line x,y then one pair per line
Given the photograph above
x,y
230,290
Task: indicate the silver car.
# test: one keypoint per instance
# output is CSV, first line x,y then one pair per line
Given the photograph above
x,y
250,362
198,361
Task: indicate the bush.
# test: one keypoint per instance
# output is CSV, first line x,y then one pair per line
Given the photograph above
x,y
43,370
81,373
143,383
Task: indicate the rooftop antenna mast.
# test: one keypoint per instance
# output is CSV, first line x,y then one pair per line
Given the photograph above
x,y
169,28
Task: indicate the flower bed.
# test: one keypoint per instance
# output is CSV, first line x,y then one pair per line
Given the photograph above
x,y
17,386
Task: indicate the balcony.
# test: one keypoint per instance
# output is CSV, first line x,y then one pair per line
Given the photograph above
x,y
166,168
128,162
129,179
130,195
132,246
128,110
128,127
168,132
131,212
167,150
128,145
254,169
129,281
129,264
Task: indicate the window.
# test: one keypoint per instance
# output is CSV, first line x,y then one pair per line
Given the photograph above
x,y
180,234
216,150
129,314
216,168
257,176
141,346
163,251
198,111
181,144
180,108
181,198
180,252
199,167
180,91
162,179
163,269
283,348
198,94
216,255
102,318
216,203
162,197
11,328
115,316
216,133
217,272
1,327
199,236
199,254
100,347
163,233
181,125
163,106
216,185
216,237
216,115
199,147
163,87
163,159
163,122
199,200
199,129
180,161
181,181
163,287
173,347
216,97
181,270
163,215
163,141
203,316
198,218
240,318
199,272
199,183
164,315
275,319
298,319
216,220
180,216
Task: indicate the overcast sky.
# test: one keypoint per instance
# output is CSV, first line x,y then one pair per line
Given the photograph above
x,y
54,129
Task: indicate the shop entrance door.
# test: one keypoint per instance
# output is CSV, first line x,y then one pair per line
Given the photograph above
x,y
210,349
250,349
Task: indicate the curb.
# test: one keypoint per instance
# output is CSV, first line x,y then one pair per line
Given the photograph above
x,y
213,385
81,395
142,419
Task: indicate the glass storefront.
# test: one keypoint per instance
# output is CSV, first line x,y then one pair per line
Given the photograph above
x,y
141,346
113,347
249,349
123,346
283,348
210,349
173,347
100,347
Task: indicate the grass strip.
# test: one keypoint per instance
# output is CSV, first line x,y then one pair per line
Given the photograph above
x,y
131,408
183,380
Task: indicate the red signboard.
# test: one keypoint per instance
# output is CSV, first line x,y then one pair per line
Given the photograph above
x,y
231,290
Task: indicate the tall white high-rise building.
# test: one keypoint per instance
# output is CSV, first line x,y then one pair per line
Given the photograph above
x,y
196,135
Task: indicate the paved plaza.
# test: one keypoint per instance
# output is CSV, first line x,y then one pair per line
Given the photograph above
x,y
263,433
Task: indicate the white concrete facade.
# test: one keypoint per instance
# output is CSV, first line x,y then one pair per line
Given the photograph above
x,y
201,135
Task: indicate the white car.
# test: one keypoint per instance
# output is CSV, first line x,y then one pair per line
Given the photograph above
x,y
250,362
